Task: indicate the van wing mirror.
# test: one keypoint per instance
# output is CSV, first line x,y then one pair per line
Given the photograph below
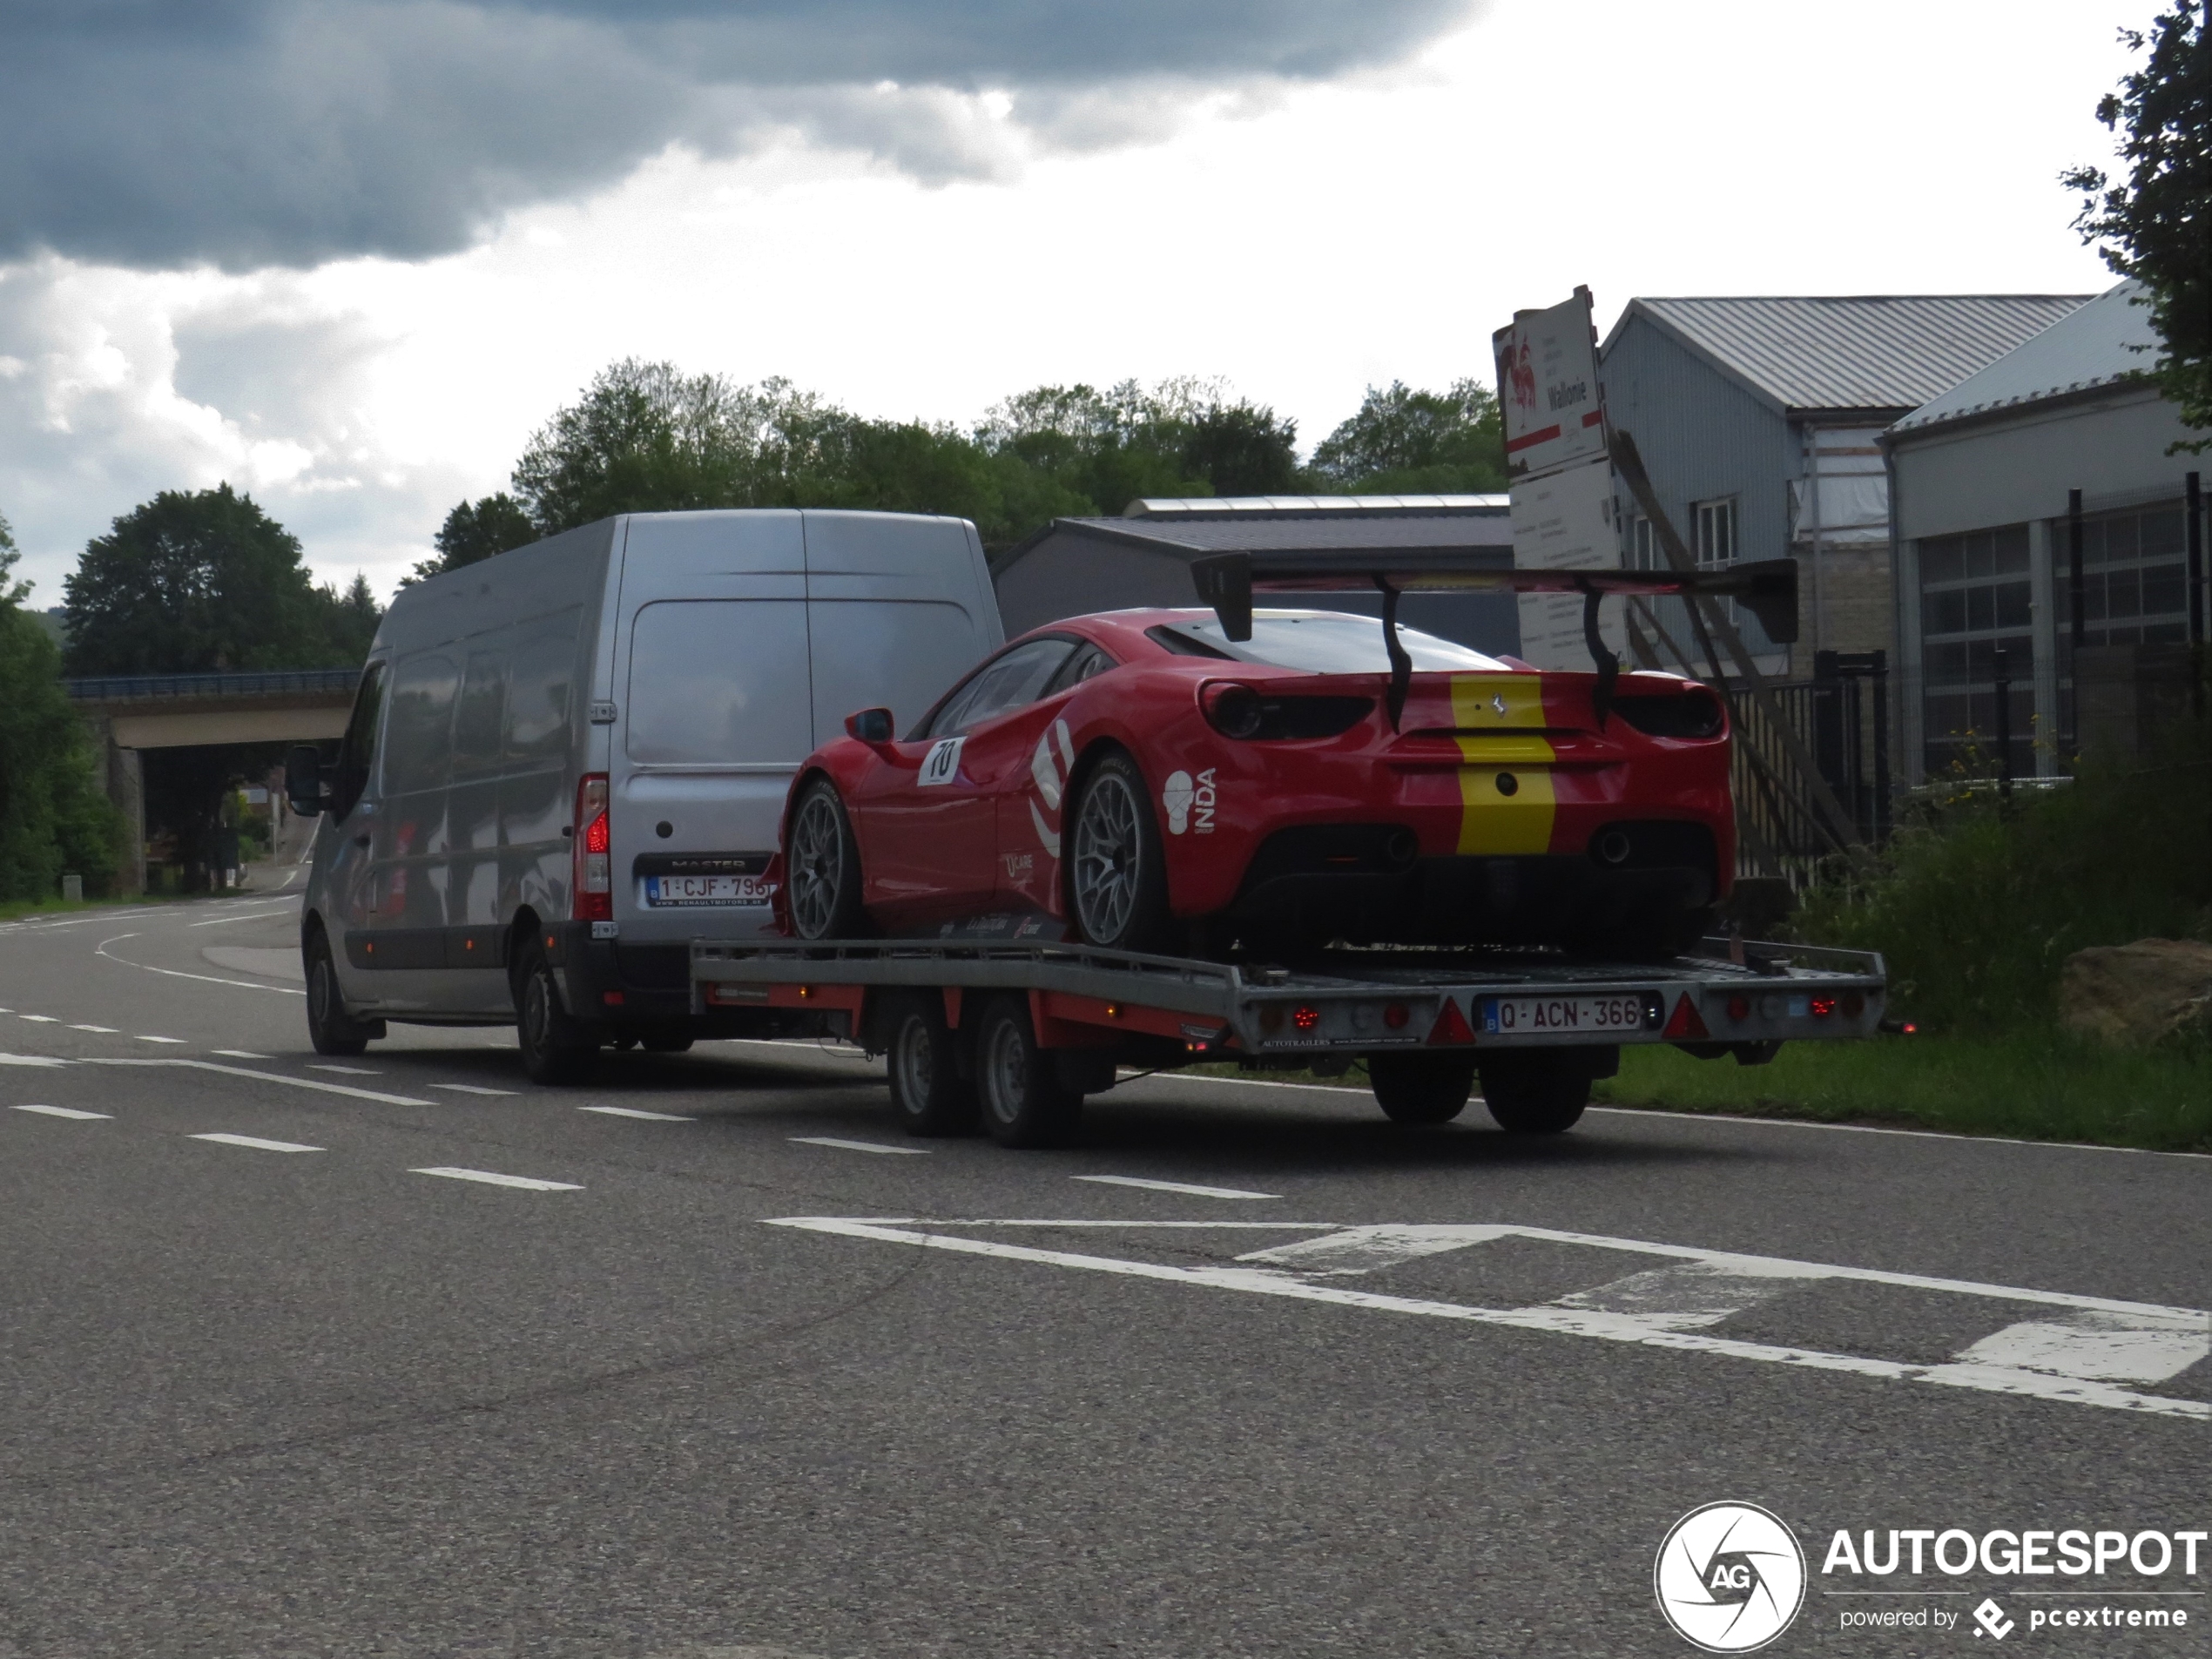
x,y
870,725
303,780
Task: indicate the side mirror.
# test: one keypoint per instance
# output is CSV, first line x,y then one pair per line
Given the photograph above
x,y
870,725
303,780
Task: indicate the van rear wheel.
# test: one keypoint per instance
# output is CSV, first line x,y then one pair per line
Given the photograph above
x,y
557,1046
823,879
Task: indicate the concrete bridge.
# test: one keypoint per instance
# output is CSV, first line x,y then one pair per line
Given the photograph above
x,y
134,712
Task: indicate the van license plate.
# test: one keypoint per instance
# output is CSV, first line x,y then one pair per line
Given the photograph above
x,y
1517,1016
665,890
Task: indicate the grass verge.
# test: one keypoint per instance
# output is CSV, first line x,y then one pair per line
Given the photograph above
x,y
2035,1086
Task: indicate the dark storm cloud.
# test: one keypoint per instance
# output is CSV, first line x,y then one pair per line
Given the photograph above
x,y
256,133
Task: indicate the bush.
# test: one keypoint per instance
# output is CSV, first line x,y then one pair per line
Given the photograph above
x,y
53,817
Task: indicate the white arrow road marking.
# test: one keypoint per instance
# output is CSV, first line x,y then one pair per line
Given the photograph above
x,y
266,1076
633,1111
1653,1324
1172,1186
527,1182
65,1111
254,1143
860,1146
2111,1348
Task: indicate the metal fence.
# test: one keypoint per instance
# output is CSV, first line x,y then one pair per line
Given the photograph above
x,y
111,688
1842,717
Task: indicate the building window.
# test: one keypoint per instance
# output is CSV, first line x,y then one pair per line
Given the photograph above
x,y
2134,589
1644,551
1715,531
1975,601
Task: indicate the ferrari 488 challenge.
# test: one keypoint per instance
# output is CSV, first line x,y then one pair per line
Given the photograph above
x,y
1205,781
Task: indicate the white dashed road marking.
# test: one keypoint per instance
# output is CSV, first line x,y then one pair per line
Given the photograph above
x,y
1172,1186
347,1071
240,1054
490,1179
39,1018
104,1030
860,1146
30,1060
147,1039
632,1111
254,1143
64,1111
469,1089
2077,1357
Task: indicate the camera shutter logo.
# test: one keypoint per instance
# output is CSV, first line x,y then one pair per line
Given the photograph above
x,y
1730,1577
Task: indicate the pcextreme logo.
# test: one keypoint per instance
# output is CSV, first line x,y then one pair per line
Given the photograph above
x,y
1730,1577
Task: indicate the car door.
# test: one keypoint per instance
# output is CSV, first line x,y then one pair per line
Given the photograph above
x,y
346,839
407,943
927,823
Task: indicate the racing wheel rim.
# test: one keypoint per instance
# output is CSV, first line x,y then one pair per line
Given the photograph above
x,y
816,864
1109,856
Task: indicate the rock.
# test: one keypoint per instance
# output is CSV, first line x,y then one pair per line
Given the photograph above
x,y
2138,993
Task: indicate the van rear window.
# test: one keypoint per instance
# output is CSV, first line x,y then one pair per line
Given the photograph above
x,y
719,682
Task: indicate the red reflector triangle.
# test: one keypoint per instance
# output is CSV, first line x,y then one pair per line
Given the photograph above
x,y
1685,1022
1451,1025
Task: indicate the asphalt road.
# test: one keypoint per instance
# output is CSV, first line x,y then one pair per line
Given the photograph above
x,y
329,1401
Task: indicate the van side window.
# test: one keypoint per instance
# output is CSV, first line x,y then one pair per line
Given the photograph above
x,y
357,749
539,688
418,743
483,712
1011,680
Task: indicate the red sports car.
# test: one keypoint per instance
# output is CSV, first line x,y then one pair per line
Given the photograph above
x,y
1149,780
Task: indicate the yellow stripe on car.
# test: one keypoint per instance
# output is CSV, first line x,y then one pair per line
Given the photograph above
x,y
1505,798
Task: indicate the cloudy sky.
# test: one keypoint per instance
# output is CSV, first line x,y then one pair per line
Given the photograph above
x,y
347,253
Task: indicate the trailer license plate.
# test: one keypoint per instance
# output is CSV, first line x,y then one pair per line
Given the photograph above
x,y
678,890
1518,1016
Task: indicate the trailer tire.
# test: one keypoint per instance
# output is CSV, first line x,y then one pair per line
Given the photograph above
x,y
557,1046
1024,1102
1421,1088
676,1042
1535,1091
928,1095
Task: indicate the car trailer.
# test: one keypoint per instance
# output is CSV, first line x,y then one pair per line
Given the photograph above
x,y
1017,1033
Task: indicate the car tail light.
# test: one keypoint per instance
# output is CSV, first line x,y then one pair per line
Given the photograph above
x,y
1823,1007
1232,710
1691,714
593,899
1237,710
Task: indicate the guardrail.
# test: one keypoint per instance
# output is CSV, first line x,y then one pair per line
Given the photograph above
x,y
114,688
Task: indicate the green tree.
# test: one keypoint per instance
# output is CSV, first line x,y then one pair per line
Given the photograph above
x,y
354,617
1241,449
53,817
190,582
1405,441
475,530
2155,226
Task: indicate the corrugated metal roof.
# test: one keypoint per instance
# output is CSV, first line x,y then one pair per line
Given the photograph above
x,y
1876,352
1492,527
1187,507
2107,340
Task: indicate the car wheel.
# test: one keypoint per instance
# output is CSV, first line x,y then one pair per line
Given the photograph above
x,y
1024,1102
557,1046
823,872
1421,1088
330,1028
928,1095
1117,879
1536,1092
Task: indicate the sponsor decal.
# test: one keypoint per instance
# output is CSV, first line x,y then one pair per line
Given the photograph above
x,y
942,763
1175,796
1730,1577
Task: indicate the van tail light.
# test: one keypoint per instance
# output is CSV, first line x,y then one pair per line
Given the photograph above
x,y
593,898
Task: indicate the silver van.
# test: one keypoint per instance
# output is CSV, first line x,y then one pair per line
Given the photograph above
x,y
565,763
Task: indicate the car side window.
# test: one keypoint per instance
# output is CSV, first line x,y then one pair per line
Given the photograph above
x,y
357,750
1007,682
1088,663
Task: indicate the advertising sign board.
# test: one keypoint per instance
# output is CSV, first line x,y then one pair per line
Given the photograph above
x,y
1564,521
1548,388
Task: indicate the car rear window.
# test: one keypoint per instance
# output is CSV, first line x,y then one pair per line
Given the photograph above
x,y
1325,642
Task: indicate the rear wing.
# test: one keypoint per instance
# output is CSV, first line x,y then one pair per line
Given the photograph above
x,y
1768,588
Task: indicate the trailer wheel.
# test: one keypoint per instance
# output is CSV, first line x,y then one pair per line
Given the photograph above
x,y
1024,1102
928,1095
1421,1088
676,1042
557,1046
824,880
1535,1091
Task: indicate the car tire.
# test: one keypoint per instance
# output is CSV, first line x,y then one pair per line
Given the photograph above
x,y
1118,876
557,1046
1421,1088
1536,1092
1024,1102
928,1095
822,874
330,1028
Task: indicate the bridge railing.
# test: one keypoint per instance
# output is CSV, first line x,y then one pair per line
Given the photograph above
x,y
115,688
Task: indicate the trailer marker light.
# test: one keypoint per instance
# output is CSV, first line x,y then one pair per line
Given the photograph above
x,y
1305,1016
1739,1007
1823,1007
1686,1022
612,999
1113,1010
1396,1014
